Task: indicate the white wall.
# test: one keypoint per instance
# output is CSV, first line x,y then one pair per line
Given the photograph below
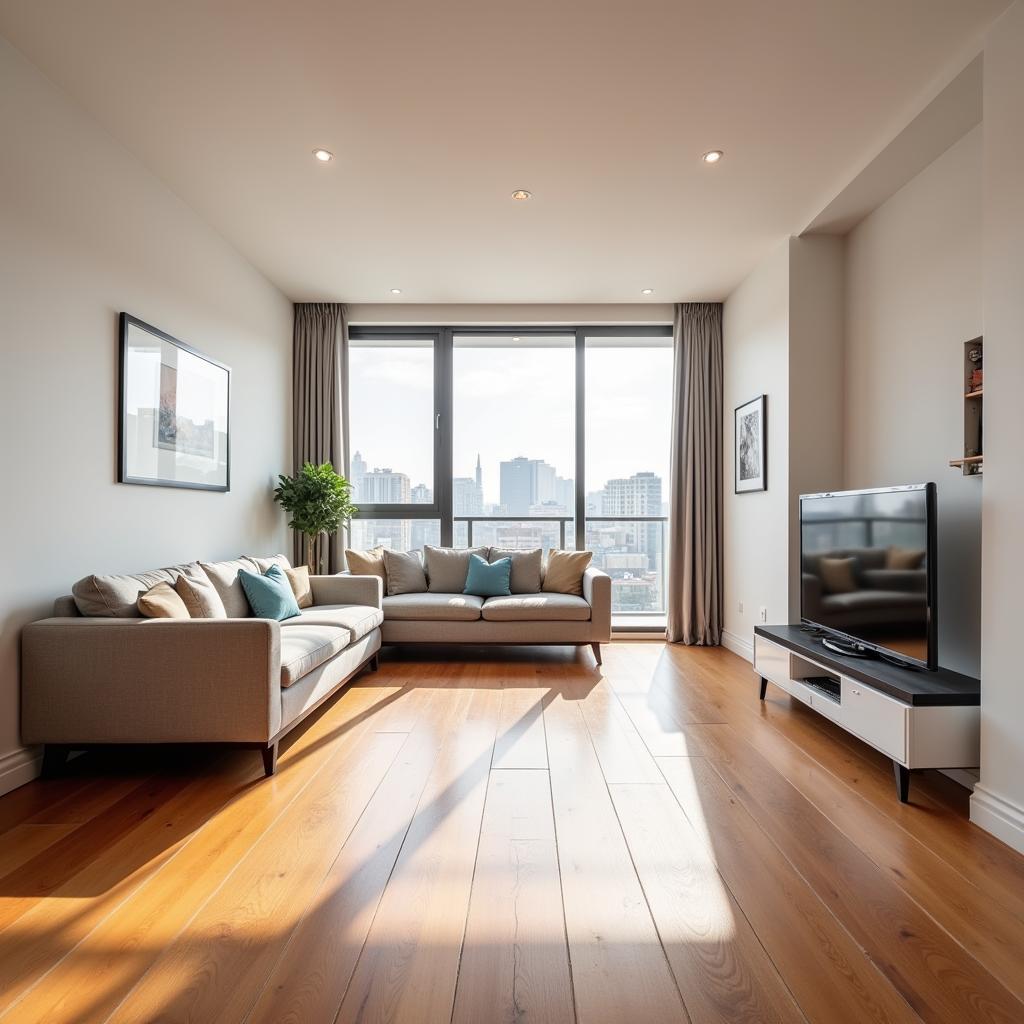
x,y
87,231
755,336
816,337
998,802
914,296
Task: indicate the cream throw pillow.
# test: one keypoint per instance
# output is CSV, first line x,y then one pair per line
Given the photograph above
x,y
298,579
162,602
564,572
200,597
367,563
837,575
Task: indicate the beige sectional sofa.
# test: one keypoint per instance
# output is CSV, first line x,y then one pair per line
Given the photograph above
x,y
111,676
98,673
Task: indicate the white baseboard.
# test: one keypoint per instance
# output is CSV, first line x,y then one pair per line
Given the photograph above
x,y
19,767
1000,817
736,644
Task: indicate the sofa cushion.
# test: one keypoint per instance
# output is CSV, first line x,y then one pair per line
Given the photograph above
x,y
298,580
269,594
404,570
305,646
436,607
526,568
281,561
564,572
448,568
118,596
488,579
536,608
200,596
224,577
162,602
367,563
358,619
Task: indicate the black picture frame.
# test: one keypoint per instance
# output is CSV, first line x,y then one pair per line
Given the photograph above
x,y
128,472
752,415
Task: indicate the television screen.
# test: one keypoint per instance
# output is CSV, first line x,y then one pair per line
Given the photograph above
x,y
867,568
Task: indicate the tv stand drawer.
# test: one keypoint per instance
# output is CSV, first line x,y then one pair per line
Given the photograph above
x,y
876,718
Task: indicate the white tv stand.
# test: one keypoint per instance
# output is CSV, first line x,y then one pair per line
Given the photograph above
x,y
919,719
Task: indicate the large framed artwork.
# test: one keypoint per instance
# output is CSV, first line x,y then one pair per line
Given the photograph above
x,y
174,407
751,438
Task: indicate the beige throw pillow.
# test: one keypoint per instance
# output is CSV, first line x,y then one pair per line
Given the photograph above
x,y
564,572
904,558
837,575
367,563
200,596
162,602
447,568
224,577
405,573
527,567
298,579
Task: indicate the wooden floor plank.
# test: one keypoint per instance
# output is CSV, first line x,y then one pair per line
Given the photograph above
x,y
216,970
311,977
90,977
520,742
610,931
515,960
825,969
409,964
773,874
722,970
929,968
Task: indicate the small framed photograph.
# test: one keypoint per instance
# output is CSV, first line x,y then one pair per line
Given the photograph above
x,y
174,401
751,437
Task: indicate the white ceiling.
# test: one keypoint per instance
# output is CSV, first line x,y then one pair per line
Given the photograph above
x,y
437,109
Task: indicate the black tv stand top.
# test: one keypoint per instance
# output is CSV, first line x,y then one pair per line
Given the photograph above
x,y
941,688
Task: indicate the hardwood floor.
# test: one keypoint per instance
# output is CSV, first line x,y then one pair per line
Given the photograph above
x,y
513,836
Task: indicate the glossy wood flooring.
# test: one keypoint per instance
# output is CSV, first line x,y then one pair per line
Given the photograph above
x,y
513,836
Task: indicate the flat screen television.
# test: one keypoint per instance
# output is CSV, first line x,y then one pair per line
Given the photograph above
x,y
868,573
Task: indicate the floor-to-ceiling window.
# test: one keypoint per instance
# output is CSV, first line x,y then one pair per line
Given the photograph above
x,y
514,440
518,438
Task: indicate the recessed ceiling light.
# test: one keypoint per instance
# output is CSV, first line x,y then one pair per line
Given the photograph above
x,y
712,156
521,195
325,156
646,291
396,291
517,339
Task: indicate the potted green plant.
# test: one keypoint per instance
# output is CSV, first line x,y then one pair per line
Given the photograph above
x,y
317,499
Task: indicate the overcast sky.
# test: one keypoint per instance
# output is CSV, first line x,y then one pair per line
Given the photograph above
x,y
510,402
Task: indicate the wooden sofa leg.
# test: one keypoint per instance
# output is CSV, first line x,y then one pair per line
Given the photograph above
x,y
375,662
55,757
597,653
270,759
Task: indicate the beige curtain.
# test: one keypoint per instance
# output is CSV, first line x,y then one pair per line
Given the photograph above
x,y
695,514
320,405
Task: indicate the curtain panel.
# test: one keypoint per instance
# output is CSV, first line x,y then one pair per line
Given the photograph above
x,y
320,407
695,520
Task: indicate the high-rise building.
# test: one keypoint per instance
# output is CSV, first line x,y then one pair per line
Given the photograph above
x,y
385,487
357,472
422,495
526,482
467,497
638,495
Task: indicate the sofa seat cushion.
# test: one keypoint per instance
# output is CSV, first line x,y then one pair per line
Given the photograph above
x,y
305,646
536,608
358,619
433,607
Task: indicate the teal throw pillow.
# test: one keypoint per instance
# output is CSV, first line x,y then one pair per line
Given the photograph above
x,y
270,595
488,579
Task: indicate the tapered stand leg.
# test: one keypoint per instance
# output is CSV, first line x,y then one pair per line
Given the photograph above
x,y
597,653
902,781
270,759
764,687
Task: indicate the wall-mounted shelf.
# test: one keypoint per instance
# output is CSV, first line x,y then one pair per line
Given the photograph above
x,y
973,459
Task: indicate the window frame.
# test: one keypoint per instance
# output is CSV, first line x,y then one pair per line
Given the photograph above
x,y
443,345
